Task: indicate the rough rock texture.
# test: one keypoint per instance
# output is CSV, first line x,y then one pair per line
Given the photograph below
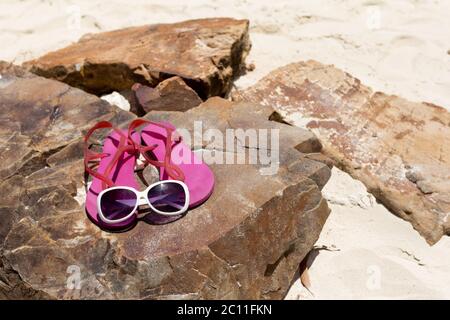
x,y
206,53
41,168
170,95
39,117
245,242
399,149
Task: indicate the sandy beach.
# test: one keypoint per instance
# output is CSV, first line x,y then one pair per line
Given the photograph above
x,y
399,47
365,252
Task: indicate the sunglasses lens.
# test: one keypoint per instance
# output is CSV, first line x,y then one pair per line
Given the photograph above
x,y
118,203
167,197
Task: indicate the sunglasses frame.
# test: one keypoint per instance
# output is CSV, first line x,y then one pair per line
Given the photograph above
x,y
141,199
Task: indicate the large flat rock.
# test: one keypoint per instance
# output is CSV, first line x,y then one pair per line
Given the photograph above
x,y
206,53
246,241
399,149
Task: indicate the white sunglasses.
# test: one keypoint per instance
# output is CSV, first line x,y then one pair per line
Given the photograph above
x,y
118,204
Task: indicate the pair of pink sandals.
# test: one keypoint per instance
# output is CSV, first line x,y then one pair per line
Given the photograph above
x,y
112,199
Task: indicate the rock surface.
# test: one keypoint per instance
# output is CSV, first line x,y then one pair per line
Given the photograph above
x,y
399,149
170,95
41,167
206,53
39,117
245,242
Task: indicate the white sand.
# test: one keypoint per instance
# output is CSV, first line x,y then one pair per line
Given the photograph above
x,y
365,252
399,47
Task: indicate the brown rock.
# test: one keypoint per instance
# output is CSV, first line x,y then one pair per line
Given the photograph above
x,y
135,106
206,53
41,167
245,242
399,149
170,95
9,69
39,117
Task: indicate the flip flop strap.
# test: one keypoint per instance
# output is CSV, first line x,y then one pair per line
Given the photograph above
x,y
89,155
172,170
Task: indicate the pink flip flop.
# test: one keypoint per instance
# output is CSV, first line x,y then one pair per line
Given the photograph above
x,y
180,163
117,163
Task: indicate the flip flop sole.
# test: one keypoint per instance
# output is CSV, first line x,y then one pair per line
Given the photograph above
x,y
198,176
122,174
